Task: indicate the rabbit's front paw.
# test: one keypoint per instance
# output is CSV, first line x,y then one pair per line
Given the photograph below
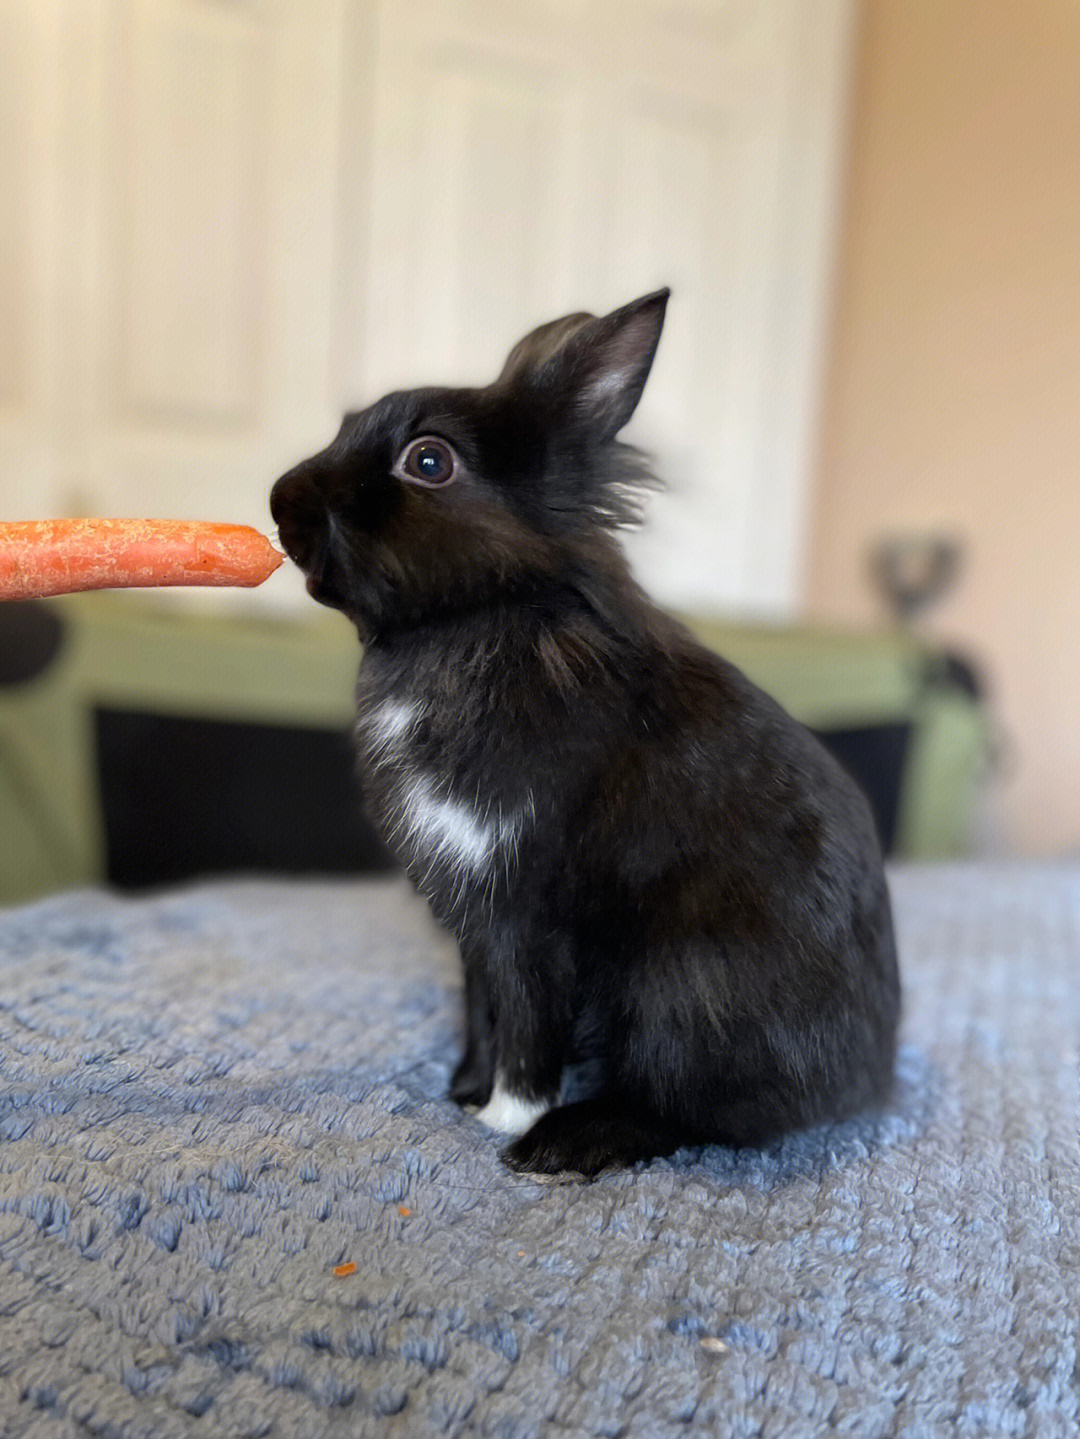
x,y
561,1143
588,1137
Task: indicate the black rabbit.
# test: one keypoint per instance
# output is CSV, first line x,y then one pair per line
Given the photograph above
x,y
646,862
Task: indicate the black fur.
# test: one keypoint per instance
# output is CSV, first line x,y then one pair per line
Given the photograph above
x,y
685,887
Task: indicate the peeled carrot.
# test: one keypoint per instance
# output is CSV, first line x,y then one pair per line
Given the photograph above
x,y
58,557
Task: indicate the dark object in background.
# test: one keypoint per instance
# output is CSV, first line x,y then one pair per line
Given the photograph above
x,y
914,571
30,639
874,756
186,797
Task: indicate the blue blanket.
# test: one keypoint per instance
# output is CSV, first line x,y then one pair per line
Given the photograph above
x,y
211,1098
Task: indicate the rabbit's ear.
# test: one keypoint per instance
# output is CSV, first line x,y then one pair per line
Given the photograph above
x,y
612,358
537,353
596,367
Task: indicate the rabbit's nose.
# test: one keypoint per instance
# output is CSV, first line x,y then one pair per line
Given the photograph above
x,y
293,490
299,511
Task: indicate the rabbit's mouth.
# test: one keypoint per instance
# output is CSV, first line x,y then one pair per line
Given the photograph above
x,y
324,579
311,554
326,573
307,530
320,588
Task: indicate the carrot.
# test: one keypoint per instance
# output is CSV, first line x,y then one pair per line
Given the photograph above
x,y
57,557
343,1270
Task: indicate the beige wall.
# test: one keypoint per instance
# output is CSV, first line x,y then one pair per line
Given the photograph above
x,y
953,398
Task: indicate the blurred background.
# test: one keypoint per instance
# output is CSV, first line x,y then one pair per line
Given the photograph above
x,y
224,224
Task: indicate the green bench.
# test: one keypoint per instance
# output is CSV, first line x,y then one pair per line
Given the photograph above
x,y
131,652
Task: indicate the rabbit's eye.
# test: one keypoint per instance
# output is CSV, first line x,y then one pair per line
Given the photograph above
x,y
428,460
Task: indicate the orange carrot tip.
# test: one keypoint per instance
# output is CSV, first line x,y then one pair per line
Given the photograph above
x,y
341,1270
59,557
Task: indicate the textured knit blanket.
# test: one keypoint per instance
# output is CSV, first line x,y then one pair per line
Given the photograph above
x,y
212,1099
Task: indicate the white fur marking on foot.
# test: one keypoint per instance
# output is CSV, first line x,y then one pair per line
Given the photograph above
x,y
510,1113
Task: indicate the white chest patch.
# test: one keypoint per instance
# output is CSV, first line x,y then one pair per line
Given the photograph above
x,y
509,1113
447,829
435,825
387,725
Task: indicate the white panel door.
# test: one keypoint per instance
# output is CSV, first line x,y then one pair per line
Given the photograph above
x,y
213,182
35,304
224,223
167,247
533,157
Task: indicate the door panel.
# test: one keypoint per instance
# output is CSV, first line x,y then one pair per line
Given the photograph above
x,y
32,294
217,159
186,243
